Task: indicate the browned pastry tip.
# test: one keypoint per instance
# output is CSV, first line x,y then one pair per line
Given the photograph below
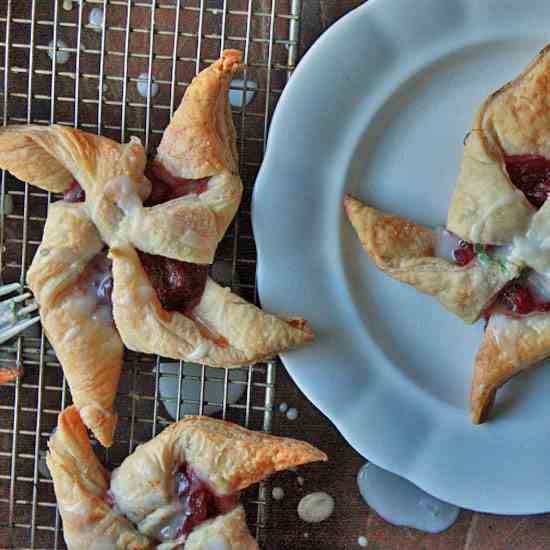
x,y
231,60
404,250
509,346
387,237
247,456
200,140
89,349
222,330
227,456
25,152
81,484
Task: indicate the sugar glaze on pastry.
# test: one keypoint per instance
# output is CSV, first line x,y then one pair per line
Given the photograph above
x,y
158,224
178,490
496,248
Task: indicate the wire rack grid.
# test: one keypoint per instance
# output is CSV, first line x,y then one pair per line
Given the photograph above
x,y
82,63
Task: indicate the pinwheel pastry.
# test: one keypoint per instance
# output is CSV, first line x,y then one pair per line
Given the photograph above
x,y
493,258
179,490
124,257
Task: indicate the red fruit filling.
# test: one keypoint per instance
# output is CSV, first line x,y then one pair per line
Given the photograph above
x,y
199,503
517,299
179,285
464,254
530,174
166,187
74,193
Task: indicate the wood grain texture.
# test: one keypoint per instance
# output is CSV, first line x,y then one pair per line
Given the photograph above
x,y
352,517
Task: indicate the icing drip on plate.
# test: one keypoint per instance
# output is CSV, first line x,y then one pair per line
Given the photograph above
x,y
400,502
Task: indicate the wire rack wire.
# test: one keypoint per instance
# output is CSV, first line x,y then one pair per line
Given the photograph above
x,y
59,66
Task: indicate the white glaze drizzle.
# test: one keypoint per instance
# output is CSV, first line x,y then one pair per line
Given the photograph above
x,y
316,507
505,334
216,542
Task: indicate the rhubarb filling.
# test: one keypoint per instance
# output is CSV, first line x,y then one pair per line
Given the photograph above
x,y
197,500
74,193
531,175
165,187
525,295
179,285
453,248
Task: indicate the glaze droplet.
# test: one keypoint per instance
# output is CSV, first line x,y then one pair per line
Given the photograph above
x,y
277,493
61,57
292,414
95,19
316,507
400,502
362,541
143,86
283,407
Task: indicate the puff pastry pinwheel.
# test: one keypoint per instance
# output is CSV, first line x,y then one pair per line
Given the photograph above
x,y
493,258
125,256
179,490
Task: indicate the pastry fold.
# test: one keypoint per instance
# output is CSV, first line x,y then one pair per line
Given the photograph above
x,y
187,228
404,250
226,456
486,207
127,509
81,486
89,348
509,346
223,330
200,140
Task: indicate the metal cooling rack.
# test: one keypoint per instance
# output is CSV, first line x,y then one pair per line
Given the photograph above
x,y
96,90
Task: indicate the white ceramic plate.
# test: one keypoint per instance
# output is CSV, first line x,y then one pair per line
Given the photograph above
x,y
379,108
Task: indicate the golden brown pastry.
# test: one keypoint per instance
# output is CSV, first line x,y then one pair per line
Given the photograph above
x,y
220,329
510,346
500,210
512,125
179,490
81,486
162,221
406,251
70,277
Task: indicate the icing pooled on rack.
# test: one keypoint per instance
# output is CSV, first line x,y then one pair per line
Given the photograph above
x,y
400,502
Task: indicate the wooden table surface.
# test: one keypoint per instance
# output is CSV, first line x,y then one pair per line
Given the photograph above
x,y
352,517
